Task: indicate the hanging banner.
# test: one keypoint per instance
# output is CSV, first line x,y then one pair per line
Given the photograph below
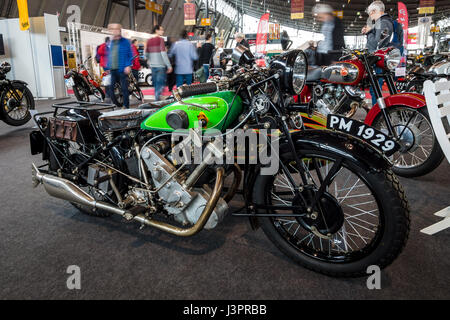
x,y
189,13
339,14
261,36
153,6
297,9
426,6
412,38
24,19
403,20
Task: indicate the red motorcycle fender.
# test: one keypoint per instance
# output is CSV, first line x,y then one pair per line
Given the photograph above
x,y
413,100
94,83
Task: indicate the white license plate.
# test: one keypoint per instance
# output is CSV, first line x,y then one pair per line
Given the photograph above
x,y
69,82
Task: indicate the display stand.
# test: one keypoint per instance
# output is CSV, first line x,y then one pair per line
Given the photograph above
x,y
437,95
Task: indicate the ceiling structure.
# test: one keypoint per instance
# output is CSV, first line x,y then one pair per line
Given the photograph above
x,y
354,12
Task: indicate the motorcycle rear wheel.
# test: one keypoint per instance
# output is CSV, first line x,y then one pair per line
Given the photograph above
x,y
81,93
352,243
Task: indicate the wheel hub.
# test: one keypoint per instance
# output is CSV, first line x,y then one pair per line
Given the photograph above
x,y
326,218
410,138
12,104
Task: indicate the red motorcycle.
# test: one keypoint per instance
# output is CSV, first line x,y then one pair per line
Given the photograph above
x,y
83,84
340,89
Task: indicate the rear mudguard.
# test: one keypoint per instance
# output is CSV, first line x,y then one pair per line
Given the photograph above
x,y
413,100
350,148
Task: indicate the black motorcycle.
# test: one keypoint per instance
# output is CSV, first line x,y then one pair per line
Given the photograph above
x,y
16,100
332,204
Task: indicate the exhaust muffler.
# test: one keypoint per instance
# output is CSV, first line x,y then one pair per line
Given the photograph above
x,y
67,190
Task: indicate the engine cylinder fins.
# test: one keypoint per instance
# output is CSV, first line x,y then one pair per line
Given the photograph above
x,y
178,119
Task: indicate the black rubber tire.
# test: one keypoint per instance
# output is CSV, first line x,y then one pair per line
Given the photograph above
x,y
76,92
101,92
392,201
30,101
149,80
434,160
137,93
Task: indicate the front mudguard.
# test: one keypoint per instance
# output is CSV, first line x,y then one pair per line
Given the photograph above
x,y
412,100
349,147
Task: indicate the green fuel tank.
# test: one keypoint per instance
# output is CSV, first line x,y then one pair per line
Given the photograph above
x,y
219,113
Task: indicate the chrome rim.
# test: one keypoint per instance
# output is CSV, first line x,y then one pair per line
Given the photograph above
x,y
416,137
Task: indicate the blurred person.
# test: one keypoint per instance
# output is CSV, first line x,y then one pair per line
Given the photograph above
x,y
102,53
240,40
218,58
333,32
158,60
136,64
120,60
185,54
171,78
205,54
311,53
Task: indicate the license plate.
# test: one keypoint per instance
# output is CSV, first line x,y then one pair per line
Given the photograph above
x,y
69,82
372,136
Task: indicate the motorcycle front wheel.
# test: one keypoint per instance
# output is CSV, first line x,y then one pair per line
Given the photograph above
x,y
14,112
362,218
81,93
420,152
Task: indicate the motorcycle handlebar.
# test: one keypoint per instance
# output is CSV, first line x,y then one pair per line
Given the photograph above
x,y
195,89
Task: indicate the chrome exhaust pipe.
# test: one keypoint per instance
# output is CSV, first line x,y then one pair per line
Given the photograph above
x,y
67,190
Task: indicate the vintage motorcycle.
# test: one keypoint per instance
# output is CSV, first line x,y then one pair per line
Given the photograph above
x,y
16,100
333,205
339,89
83,83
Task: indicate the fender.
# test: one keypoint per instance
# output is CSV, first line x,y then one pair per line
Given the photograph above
x,y
19,82
413,100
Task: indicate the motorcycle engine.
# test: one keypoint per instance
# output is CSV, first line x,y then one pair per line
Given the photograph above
x,y
327,97
186,206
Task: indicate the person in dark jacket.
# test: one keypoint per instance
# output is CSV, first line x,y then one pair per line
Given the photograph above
x,y
333,32
240,40
379,35
120,60
205,53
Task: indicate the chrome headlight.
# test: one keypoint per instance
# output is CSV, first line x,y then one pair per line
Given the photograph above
x,y
292,67
392,59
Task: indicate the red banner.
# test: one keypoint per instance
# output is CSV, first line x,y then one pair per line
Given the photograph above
x,y
189,14
403,20
261,36
297,9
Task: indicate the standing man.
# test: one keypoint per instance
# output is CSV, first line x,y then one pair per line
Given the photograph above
x,y
240,40
158,60
333,32
384,32
185,54
205,54
120,60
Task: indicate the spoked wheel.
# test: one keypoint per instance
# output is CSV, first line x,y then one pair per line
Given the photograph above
x,y
98,93
361,219
137,93
81,93
118,94
15,105
420,152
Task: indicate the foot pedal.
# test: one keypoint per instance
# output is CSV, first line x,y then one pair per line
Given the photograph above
x,y
132,212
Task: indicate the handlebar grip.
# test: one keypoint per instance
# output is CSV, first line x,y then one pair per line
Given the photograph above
x,y
335,51
195,89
